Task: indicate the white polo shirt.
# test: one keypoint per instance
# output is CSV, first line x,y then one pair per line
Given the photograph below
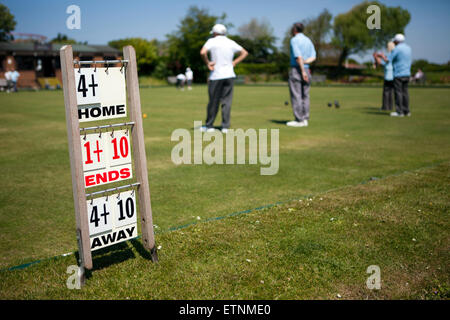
x,y
222,52
189,75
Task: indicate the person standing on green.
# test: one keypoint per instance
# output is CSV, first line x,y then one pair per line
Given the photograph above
x,y
401,58
388,85
221,80
303,53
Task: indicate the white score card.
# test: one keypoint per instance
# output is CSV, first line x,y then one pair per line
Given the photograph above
x,y
112,219
101,93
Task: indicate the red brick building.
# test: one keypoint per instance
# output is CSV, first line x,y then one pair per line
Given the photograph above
x,y
39,63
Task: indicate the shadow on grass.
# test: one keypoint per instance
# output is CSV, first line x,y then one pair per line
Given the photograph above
x,y
116,254
279,121
215,127
376,111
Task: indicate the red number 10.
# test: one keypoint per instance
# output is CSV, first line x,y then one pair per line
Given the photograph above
x,y
123,148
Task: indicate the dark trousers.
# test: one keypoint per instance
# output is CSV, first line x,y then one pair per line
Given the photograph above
x,y
388,95
401,95
219,91
180,84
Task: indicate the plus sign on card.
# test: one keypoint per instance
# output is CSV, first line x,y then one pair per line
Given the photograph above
x,y
106,157
87,85
93,149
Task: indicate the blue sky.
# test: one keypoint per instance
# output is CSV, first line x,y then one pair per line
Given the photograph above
x,y
102,21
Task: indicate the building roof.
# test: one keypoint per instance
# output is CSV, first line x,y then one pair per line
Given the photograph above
x,y
33,47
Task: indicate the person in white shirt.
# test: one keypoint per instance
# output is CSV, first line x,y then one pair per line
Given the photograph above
x,y
8,81
14,78
419,77
181,78
221,79
189,78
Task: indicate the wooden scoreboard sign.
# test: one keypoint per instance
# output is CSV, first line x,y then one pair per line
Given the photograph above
x,y
103,155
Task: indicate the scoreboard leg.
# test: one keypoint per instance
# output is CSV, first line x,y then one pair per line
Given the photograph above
x,y
81,271
134,105
76,164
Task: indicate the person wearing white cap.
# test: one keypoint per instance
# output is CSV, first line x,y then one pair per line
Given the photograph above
x,y
401,58
221,79
189,78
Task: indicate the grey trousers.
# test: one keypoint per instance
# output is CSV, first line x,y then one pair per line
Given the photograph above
x,y
219,91
388,95
401,95
299,90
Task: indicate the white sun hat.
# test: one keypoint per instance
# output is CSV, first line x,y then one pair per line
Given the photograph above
x,y
219,29
399,37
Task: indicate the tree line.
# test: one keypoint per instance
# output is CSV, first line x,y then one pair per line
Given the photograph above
x,y
334,39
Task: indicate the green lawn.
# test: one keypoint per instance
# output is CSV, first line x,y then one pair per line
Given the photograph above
x,y
341,147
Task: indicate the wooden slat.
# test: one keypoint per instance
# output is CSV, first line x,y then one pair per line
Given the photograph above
x,y
76,164
140,159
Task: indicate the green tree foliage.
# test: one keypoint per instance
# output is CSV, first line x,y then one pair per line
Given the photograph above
x,y
7,23
258,39
146,52
184,45
256,29
351,34
317,29
260,50
425,65
63,39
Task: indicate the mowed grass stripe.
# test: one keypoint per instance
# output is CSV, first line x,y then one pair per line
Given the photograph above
x,y
310,249
175,228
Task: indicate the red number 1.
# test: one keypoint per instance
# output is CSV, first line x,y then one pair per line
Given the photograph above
x,y
87,145
88,153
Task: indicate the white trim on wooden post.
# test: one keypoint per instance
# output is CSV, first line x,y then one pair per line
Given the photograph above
x,y
76,163
140,159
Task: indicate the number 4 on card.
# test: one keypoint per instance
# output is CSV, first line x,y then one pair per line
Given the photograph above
x,y
87,85
112,219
